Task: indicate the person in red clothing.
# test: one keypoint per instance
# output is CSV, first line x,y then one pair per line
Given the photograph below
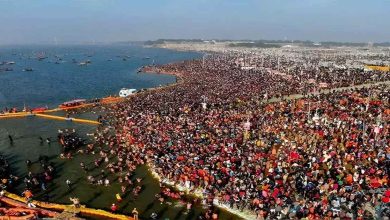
x,y
114,207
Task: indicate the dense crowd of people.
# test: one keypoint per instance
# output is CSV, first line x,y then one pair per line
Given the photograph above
x,y
7,179
38,181
70,140
220,132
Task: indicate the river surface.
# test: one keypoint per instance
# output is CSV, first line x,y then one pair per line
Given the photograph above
x,y
60,78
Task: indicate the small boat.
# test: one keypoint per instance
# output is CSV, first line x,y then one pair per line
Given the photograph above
x,y
10,63
72,104
6,70
126,92
146,58
41,56
39,109
28,69
85,63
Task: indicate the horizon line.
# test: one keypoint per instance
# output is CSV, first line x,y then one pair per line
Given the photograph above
x,y
186,39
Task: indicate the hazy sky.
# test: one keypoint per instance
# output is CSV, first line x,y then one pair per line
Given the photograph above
x,y
40,21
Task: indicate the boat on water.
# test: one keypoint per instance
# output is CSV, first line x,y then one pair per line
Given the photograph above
x,y
28,69
41,56
72,104
39,109
146,58
85,63
10,63
6,70
126,92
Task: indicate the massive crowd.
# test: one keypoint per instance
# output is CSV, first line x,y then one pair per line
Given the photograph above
x,y
7,179
220,131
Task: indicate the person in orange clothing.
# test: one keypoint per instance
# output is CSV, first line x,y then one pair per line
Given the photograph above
x,y
27,194
349,179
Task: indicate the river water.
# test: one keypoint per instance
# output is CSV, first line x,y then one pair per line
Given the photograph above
x,y
60,78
